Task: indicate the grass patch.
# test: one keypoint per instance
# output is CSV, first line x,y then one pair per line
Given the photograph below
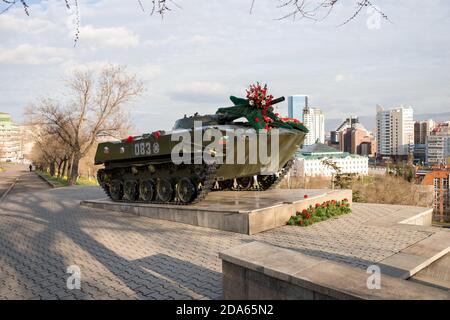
x,y
86,181
54,180
62,182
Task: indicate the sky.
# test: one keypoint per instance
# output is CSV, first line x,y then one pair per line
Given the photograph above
x,y
198,55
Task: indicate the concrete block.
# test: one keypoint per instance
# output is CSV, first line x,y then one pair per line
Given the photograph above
x,y
279,273
247,212
261,220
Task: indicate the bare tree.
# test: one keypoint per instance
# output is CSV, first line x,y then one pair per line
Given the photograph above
x,y
95,110
49,153
310,9
318,10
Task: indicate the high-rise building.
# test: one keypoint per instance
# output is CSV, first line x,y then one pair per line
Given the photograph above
x,y
395,132
421,130
334,135
296,104
10,143
314,120
438,145
355,139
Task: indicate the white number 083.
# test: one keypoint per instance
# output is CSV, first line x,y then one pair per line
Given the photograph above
x,y
142,149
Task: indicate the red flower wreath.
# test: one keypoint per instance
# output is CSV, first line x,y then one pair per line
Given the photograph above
x,y
259,99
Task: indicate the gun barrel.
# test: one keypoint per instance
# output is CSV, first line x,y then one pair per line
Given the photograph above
x,y
277,100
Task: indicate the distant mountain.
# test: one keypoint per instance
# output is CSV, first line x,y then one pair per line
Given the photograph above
x,y
369,121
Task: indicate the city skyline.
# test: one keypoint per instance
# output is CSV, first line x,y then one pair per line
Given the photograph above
x,y
181,75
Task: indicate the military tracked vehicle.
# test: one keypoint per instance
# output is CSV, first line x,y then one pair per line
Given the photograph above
x,y
141,168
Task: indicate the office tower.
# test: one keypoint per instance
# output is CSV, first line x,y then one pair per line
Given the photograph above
x,y
314,120
395,132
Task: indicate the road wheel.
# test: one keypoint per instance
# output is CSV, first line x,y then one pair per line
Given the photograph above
x,y
116,190
101,176
164,190
244,183
226,184
186,190
265,181
130,190
147,190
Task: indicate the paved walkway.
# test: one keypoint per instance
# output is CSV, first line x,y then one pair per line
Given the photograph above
x,y
9,175
127,257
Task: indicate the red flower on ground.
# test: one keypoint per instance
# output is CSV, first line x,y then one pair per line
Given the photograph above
x,y
305,196
256,119
345,200
300,222
308,216
305,211
317,205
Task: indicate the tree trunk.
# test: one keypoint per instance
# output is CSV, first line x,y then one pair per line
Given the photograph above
x,y
64,168
74,170
59,168
52,168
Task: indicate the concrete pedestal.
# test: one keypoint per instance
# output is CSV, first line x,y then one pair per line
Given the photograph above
x,y
247,212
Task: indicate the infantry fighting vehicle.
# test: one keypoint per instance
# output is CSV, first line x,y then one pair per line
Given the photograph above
x,y
142,169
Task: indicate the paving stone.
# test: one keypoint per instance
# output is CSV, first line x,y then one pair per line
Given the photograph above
x,y
43,231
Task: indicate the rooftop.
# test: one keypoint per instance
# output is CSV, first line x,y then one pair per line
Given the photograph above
x,y
319,148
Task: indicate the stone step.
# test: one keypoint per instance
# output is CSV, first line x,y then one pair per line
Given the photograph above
x,y
420,255
262,271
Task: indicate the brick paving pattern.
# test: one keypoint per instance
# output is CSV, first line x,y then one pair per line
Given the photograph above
x,y
128,257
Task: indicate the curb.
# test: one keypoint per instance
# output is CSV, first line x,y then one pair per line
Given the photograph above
x,y
52,185
5,194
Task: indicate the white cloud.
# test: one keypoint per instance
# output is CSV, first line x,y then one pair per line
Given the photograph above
x,y
36,55
198,91
200,86
195,57
119,37
198,39
149,71
339,78
160,42
73,65
28,25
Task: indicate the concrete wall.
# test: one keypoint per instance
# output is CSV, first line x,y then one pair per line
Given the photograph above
x,y
265,272
240,283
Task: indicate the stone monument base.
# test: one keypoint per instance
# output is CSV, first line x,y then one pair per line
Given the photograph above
x,y
247,212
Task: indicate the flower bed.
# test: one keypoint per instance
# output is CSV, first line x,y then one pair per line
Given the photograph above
x,y
320,212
